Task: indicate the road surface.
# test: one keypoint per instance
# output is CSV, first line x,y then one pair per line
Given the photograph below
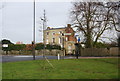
x,y
23,58
30,57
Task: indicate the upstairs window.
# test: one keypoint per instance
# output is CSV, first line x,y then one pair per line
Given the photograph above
x,y
60,32
53,33
60,40
47,33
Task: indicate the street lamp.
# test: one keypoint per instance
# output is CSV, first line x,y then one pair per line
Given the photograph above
x,y
33,42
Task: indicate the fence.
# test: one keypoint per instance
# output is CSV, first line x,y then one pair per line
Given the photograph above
x,y
100,52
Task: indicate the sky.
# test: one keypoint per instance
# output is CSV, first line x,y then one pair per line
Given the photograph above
x,y
17,19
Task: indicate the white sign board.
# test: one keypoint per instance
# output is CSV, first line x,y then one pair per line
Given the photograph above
x,y
67,33
5,45
83,45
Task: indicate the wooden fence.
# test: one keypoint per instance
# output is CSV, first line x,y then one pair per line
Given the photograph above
x,y
100,52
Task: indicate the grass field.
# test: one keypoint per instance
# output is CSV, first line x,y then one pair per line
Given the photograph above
x,y
102,68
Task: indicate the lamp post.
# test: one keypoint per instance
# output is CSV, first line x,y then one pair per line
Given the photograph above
x,y
33,42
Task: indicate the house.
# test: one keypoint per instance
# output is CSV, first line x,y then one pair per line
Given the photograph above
x,y
61,36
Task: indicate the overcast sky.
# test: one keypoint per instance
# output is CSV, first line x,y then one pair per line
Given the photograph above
x,y
17,19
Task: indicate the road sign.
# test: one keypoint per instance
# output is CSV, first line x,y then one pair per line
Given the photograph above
x,y
78,39
67,33
76,35
5,45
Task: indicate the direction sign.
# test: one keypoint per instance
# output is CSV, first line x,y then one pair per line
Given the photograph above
x,y
78,39
67,33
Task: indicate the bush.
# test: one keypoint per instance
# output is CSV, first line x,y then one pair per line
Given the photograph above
x,y
16,47
48,46
39,46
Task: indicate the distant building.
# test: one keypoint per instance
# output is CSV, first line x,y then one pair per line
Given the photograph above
x,y
19,42
61,36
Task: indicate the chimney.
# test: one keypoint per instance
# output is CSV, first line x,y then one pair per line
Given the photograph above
x,y
68,25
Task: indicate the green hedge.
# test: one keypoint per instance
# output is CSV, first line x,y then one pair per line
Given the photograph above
x,y
16,47
40,46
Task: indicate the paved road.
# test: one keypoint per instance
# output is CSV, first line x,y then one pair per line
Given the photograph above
x,y
29,57
23,58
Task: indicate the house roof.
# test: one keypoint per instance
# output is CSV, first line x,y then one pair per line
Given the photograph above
x,y
55,28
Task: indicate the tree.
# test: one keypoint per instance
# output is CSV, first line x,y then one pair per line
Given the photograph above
x,y
93,19
5,41
116,9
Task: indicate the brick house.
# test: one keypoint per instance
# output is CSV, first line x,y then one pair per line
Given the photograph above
x,y
61,36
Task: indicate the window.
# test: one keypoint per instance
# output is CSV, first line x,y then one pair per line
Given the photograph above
x,y
46,41
60,40
53,40
66,38
53,33
47,33
60,32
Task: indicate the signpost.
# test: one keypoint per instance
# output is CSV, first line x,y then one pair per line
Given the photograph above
x,y
78,38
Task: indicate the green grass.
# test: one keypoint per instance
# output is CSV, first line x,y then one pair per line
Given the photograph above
x,y
106,68
0,70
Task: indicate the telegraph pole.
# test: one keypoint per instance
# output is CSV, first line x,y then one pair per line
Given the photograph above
x,y
33,42
44,19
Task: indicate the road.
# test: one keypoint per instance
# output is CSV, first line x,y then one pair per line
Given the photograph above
x,y
30,57
23,58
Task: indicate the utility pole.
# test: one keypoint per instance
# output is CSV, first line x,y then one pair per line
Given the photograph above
x,y
33,42
44,19
63,48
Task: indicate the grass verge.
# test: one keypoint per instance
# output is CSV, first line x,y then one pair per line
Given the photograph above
x,y
102,68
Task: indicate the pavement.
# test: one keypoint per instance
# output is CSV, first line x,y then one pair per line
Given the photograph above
x,y
13,58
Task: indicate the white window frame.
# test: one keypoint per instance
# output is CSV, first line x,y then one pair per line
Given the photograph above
x,y
53,41
47,41
66,38
60,40
47,33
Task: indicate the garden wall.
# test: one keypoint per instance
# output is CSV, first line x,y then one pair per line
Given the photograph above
x,y
84,52
37,52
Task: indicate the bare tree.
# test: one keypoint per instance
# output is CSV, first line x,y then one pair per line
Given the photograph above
x,y
116,15
93,19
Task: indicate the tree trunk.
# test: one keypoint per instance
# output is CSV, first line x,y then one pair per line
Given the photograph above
x,y
89,41
89,36
6,52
